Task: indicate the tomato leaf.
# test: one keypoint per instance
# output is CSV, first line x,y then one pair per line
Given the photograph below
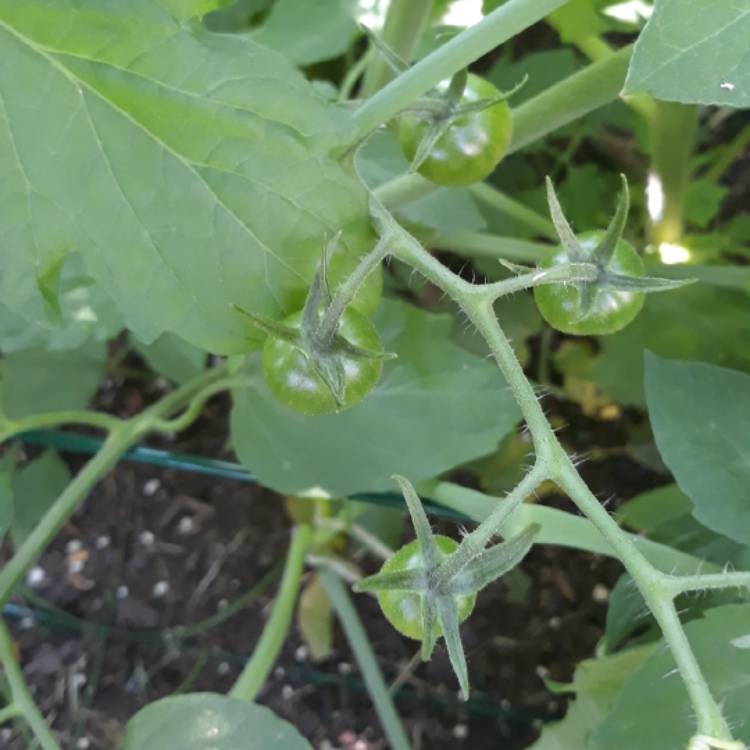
x,y
206,721
694,51
700,414
654,703
191,170
435,407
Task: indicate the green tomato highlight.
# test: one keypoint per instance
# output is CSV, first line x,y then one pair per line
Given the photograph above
x,y
403,609
560,304
292,379
473,145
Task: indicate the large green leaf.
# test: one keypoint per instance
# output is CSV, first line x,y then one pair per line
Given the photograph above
x,y
597,683
694,51
172,357
701,322
206,721
700,415
36,380
435,407
34,488
191,170
309,32
653,711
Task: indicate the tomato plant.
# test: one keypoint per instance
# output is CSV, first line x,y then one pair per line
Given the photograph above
x,y
473,143
177,177
566,307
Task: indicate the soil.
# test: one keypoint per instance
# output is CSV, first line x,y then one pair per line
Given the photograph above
x,y
155,549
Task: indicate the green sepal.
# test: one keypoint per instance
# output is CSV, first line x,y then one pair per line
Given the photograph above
x,y
567,237
448,615
604,251
493,563
430,553
271,327
429,634
482,104
620,283
456,88
515,268
438,127
414,579
319,294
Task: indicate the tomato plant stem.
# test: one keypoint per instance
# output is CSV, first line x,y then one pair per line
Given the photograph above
x,y
508,20
23,704
275,631
554,463
405,23
673,129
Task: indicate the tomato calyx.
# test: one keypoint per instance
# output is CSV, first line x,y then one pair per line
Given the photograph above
x,y
442,586
601,256
318,337
442,110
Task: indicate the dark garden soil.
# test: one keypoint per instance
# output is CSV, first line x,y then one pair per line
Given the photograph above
x,y
155,549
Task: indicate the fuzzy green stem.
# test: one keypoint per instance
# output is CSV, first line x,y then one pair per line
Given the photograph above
x,y
405,22
22,699
725,580
53,419
653,584
673,129
502,24
9,712
274,634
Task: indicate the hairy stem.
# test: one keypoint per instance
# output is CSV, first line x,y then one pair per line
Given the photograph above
x,y
653,584
405,23
502,24
274,634
22,700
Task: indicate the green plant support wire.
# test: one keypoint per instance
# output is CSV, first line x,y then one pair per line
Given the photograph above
x,y
72,442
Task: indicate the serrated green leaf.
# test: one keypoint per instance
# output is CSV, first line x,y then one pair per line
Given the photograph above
x,y
435,407
207,175
654,704
700,414
694,51
37,381
172,357
206,721
309,32
34,488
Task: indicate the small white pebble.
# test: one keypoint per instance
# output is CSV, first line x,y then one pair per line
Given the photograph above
x,y
151,487
542,671
73,546
460,731
122,592
505,704
301,653
27,623
223,668
279,672
186,526
79,679
6,734
345,668
146,538
600,593
76,566
287,692
555,622
83,743
326,745
103,541
222,604
35,577
360,745
553,706
160,589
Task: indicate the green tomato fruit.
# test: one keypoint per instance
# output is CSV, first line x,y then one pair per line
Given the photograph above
x,y
293,380
403,609
473,145
610,311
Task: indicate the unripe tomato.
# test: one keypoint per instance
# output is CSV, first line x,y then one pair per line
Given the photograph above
x,y
403,609
293,380
610,311
473,145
